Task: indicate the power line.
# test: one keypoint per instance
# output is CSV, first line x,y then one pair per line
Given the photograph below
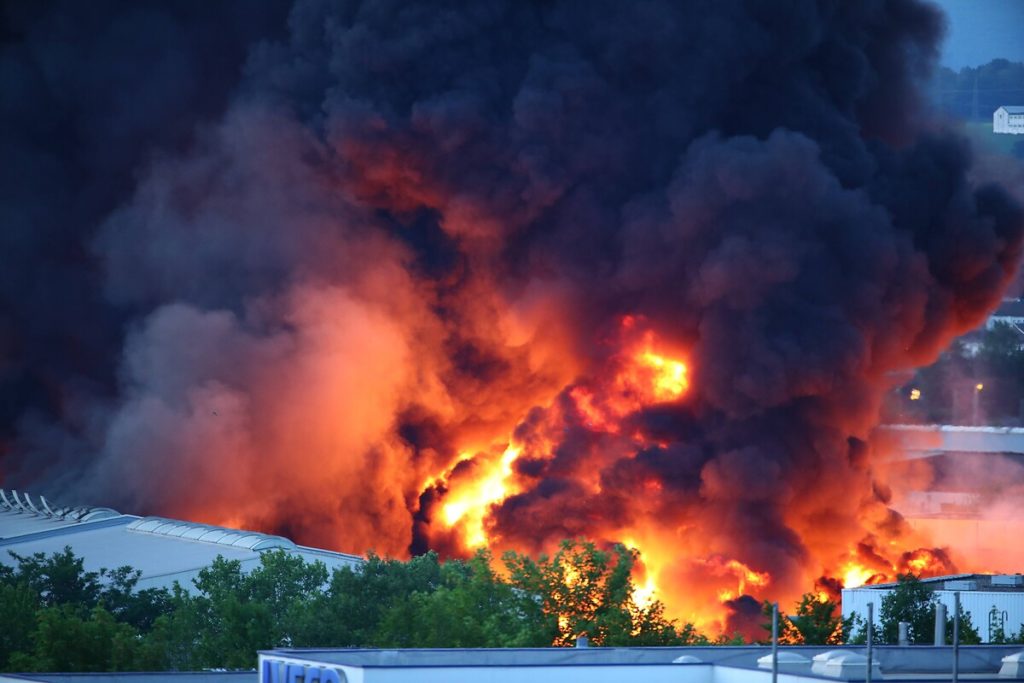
x,y
971,90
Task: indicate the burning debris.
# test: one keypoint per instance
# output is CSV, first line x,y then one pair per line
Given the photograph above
x,y
508,273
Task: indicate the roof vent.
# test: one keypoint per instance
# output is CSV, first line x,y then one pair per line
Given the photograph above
x,y
1013,666
845,665
207,533
789,662
818,661
12,501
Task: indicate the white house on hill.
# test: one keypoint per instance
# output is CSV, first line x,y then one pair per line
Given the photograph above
x,y
1008,119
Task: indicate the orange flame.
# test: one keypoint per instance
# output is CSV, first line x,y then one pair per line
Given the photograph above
x,y
645,377
855,575
669,376
744,576
467,507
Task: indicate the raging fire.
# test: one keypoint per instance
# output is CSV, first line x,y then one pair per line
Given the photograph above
x,y
643,374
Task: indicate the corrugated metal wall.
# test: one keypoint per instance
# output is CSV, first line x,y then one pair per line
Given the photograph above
x,y
976,603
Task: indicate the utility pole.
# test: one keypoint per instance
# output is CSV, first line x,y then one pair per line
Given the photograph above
x,y
775,642
974,99
956,636
871,629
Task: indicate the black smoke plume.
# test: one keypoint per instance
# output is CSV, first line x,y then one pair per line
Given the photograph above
x,y
282,272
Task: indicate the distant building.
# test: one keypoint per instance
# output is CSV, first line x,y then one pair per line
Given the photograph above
x,y
163,550
1008,119
993,601
1010,312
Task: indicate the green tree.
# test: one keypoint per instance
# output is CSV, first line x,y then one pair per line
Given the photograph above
x,y
581,590
910,601
59,579
998,82
472,607
120,596
18,606
234,614
287,585
356,601
816,622
66,640
820,622
175,641
968,632
788,635
914,602
856,633
46,598
233,626
58,616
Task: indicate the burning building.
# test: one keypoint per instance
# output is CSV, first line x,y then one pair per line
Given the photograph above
x,y
443,275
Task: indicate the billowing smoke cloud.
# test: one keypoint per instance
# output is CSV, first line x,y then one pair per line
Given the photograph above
x,y
91,92
420,232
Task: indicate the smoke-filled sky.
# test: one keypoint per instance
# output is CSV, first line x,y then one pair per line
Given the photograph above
x,y
413,274
979,31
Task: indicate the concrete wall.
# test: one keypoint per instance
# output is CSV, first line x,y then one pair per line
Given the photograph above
x,y
728,674
592,673
597,673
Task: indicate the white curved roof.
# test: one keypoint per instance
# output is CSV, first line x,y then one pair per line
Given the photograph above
x,y
249,540
163,550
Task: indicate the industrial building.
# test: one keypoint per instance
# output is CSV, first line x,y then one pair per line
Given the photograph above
x,y
994,602
163,550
